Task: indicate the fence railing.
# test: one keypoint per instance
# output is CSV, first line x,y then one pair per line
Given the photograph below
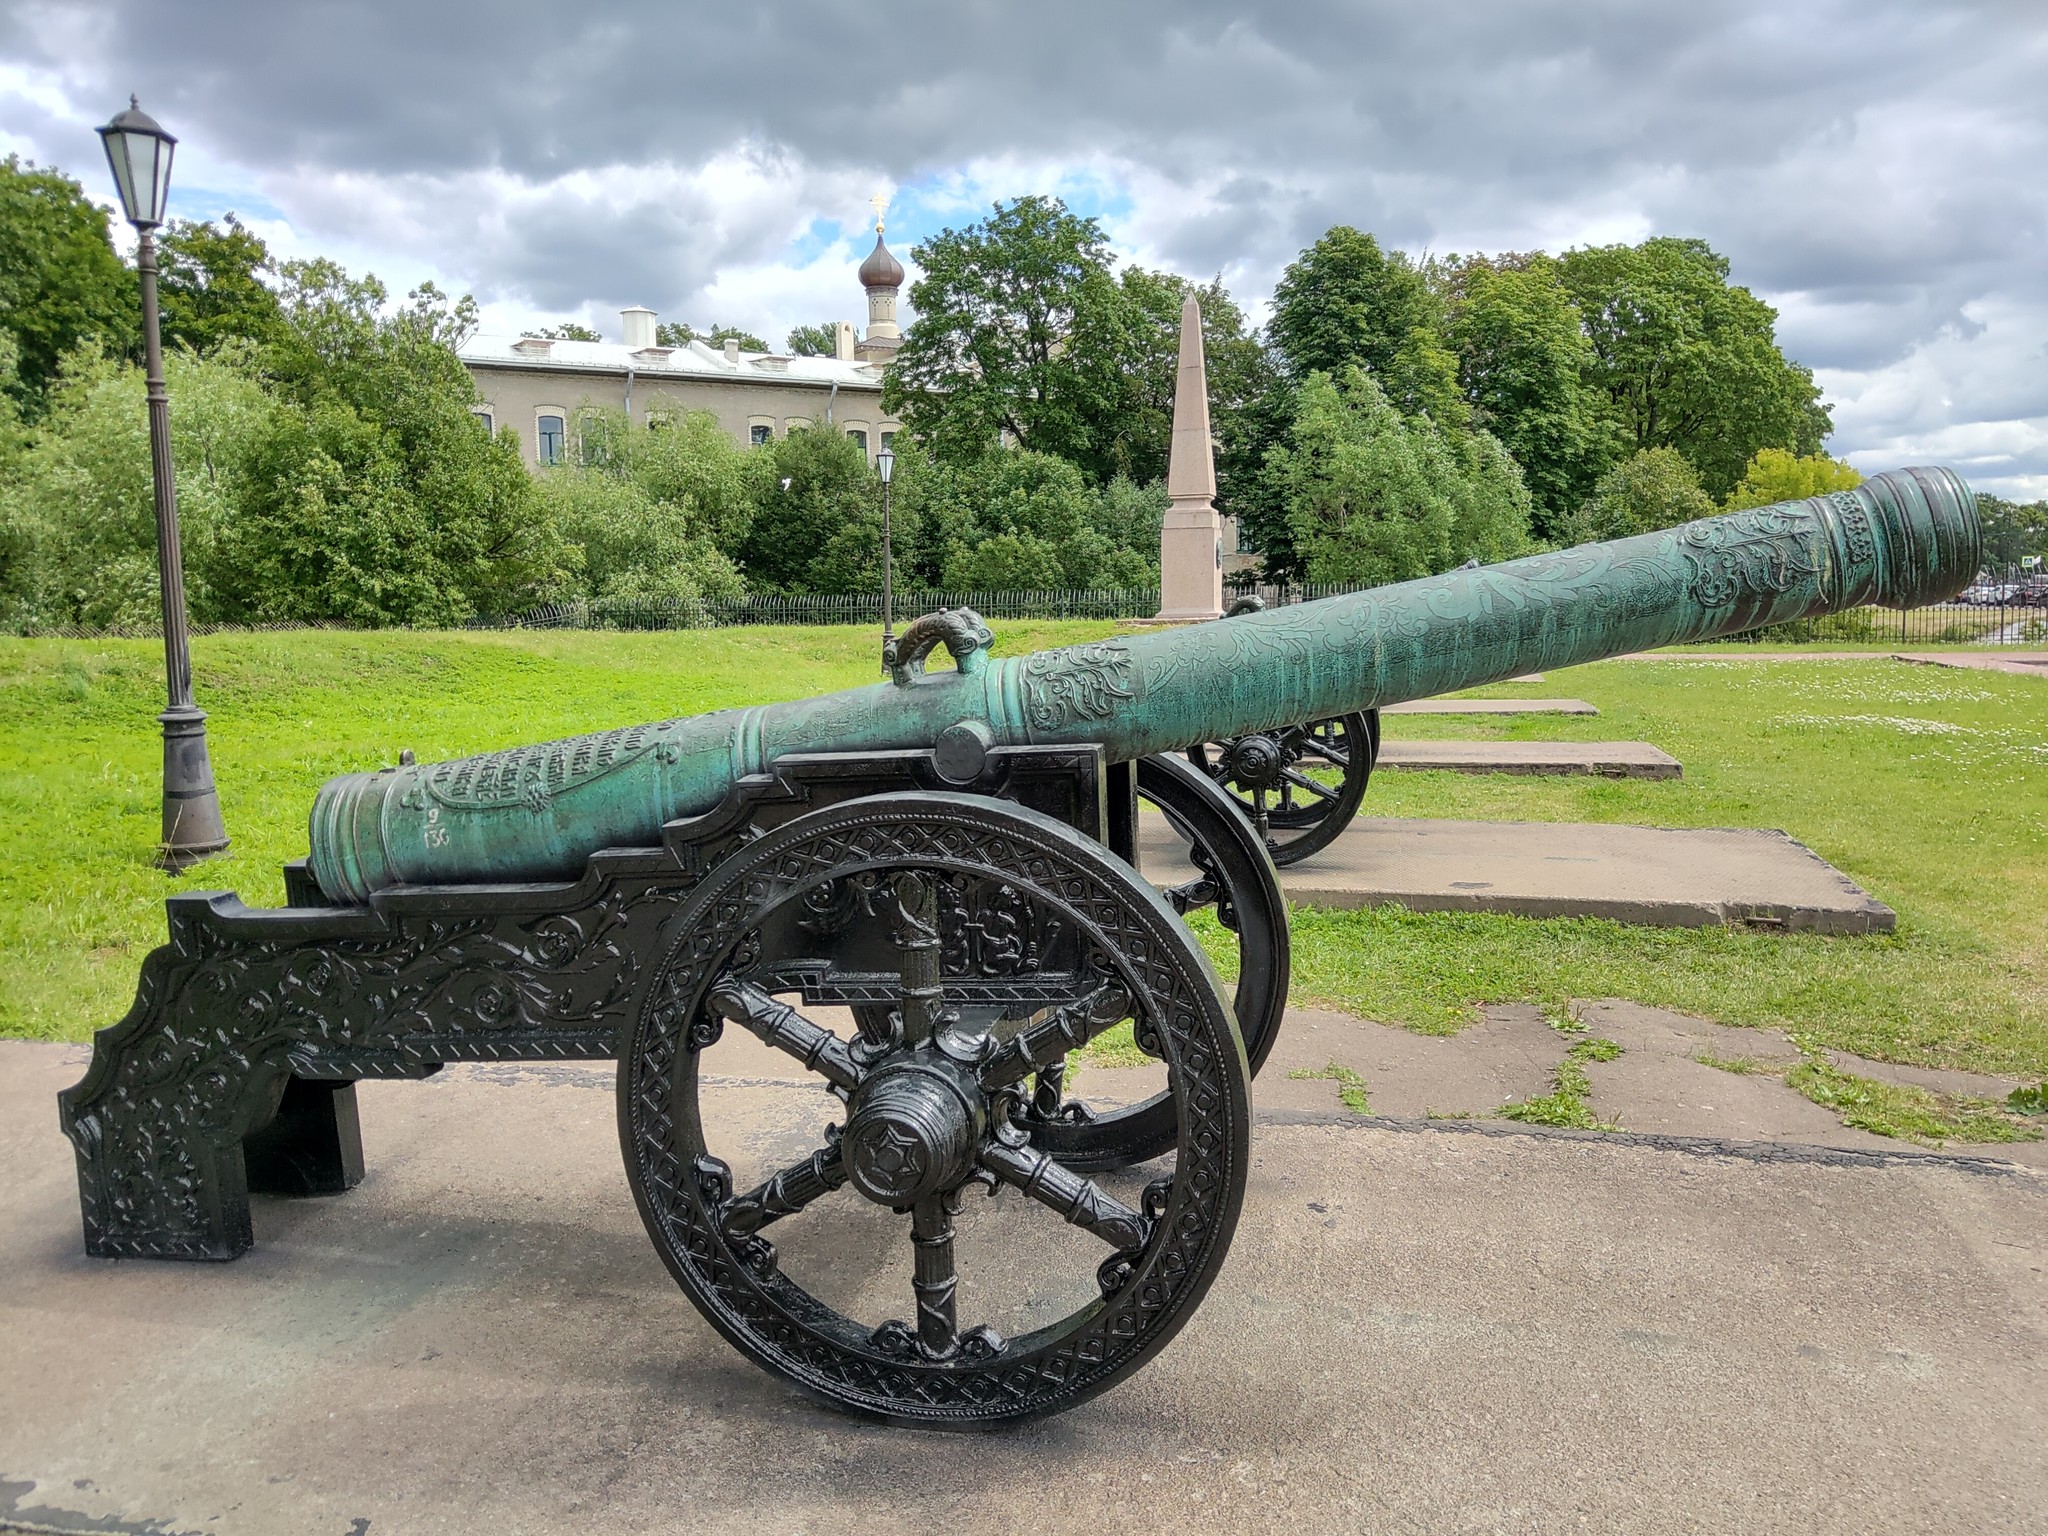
x,y
828,608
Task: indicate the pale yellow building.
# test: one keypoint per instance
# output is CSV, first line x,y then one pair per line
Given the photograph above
x,y
534,386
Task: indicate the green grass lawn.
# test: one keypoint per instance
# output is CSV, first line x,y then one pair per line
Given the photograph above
x,y
1928,786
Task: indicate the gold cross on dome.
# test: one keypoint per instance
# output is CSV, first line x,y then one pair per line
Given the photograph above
x,y
880,203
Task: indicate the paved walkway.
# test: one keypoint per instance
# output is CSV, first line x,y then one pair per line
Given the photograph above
x,y
1604,759
2025,663
1660,876
1419,1329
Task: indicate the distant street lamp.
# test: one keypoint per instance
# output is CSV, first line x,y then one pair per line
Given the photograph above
x,y
139,153
885,463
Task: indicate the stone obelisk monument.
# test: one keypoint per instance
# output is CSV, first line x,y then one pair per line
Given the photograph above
x,y
1191,542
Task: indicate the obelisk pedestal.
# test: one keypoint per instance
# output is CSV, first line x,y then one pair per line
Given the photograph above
x,y
1191,539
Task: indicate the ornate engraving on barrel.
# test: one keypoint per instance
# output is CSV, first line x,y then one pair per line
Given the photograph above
x,y
1083,682
1855,521
221,1018
531,776
1760,553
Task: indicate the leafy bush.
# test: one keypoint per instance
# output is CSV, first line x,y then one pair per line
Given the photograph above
x,y
1776,475
1017,520
1656,488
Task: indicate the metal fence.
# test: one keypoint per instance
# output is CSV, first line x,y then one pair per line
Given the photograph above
x,y
828,608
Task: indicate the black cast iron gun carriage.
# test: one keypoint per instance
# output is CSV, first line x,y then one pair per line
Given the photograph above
x,y
923,895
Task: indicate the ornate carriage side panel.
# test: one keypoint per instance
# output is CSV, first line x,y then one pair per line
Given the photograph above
x,y
241,1004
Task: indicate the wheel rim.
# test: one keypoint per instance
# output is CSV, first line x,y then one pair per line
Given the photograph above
x,y
934,1110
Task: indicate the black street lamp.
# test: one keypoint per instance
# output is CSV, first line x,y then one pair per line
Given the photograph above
x,y
885,464
139,152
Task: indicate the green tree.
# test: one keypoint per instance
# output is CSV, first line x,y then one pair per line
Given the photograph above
x,y
371,495
2012,530
1014,520
1018,336
677,333
77,513
820,340
210,288
1344,301
1775,475
1522,361
569,330
674,333
626,544
1684,359
746,341
692,458
808,486
1376,496
1655,488
61,285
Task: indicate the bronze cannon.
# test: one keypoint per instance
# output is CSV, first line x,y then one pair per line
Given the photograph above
x,y
922,896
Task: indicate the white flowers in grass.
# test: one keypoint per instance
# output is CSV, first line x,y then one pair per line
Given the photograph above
x,y
1905,725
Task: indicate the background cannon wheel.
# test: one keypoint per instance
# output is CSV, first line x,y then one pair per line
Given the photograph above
x,y
1235,877
949,908
1300,785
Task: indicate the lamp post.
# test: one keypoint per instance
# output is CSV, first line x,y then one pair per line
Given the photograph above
x,y
885,465
139,153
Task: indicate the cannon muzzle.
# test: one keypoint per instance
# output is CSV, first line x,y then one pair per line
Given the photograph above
x,y
537,813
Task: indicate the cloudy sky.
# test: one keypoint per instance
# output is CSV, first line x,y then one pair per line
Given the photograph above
x,y
1874,168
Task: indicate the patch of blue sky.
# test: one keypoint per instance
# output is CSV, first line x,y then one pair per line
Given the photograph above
x,y
950,199
206,203
819,237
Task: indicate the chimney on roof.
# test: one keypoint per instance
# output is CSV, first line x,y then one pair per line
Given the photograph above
x,y
842,340
732,349
639,326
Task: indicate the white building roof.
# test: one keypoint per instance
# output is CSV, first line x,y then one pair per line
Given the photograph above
x,y
695,361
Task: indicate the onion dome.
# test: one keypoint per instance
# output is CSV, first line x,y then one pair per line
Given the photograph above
x,y
881,270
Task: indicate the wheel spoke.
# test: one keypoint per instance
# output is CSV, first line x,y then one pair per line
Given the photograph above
x,y
785,1194
781,1026
933,1278
1336,753
1082,1201
1314,786
1066,1028
916,937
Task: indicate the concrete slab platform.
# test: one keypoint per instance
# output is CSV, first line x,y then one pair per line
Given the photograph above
x,y
1416,1331
1603,759
1491,707
1658,876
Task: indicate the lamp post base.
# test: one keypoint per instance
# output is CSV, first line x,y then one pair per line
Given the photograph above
x,y
193,829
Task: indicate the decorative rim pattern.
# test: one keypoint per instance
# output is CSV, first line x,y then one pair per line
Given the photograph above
x,y
782,1327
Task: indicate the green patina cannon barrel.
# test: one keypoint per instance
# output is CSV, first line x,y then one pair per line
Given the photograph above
x,y
537,813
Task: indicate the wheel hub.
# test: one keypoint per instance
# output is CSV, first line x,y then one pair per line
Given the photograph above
x,y
914,1131
1255,762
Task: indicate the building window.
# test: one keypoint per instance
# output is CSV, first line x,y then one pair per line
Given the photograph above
x,y
483,414
859,437
759,433
796,424
888,442
548,436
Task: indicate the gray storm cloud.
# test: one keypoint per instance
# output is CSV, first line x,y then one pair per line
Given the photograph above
x,y
1872,166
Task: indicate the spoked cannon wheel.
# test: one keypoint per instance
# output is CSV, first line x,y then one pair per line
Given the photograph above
x,y
975,940
1299,785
